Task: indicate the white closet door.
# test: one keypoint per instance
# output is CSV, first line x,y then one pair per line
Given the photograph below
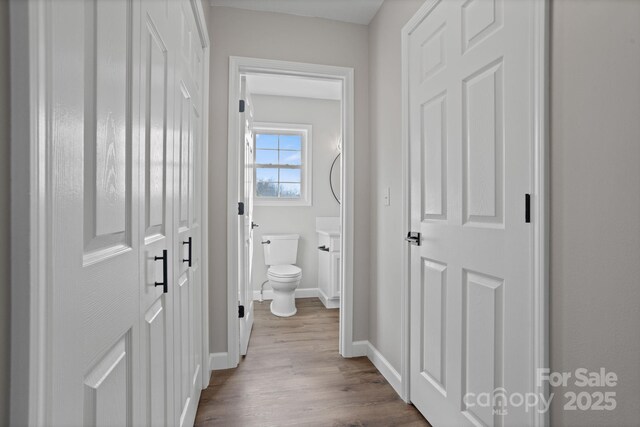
x,y
471,124
186,283
93,302
123,304
157,54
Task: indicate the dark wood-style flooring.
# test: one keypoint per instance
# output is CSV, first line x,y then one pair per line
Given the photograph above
x,y
294,376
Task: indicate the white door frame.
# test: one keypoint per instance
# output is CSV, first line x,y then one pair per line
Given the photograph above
x,y
30,216
539,197
241,65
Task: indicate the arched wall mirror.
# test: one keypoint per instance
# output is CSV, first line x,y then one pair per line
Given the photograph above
x,y
335,180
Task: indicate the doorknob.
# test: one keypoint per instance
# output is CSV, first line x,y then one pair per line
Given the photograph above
x,y
188,242
413,237
254,225
165,274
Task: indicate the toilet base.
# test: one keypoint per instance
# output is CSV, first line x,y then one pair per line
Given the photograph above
x,y
284,303
277,313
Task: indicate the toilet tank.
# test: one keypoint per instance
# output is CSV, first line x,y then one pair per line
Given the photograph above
x,y
282,248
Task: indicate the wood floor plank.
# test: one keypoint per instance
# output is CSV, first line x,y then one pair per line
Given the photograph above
x,y
294,376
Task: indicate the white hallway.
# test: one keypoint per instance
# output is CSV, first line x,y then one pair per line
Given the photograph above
x,y
593,187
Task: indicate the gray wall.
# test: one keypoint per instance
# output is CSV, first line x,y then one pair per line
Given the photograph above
x,y
595,200
236,32
324,116
386,163
5,277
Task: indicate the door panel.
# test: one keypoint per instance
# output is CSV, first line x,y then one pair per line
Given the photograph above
x,y
107,97
155,333
433,342
470,145
482,346
107,397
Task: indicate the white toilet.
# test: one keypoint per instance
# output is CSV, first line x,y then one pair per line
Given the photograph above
x,y
280,253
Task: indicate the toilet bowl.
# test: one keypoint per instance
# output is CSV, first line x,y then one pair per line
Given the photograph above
x,y
280,253
284,279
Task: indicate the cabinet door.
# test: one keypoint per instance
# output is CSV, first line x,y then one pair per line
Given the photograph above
x,y
334,291
323,272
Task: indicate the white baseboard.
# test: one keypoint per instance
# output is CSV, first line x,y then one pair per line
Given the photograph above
x,y
385,368
328,302
365,348
359,348
300,293
218,361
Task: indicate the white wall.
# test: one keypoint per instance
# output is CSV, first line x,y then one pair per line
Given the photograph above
x,y
595,200
324,117
5,277
386,163
292,38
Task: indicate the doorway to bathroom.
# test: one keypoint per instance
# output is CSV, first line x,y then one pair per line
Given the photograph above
x,y
299,169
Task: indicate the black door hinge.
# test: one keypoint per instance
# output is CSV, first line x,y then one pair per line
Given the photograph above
x,y
240,208
242,105
527,208
241,311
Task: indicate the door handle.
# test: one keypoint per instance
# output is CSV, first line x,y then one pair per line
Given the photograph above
x,y
413,238
190,243
268,242
323,248
254,225
165,274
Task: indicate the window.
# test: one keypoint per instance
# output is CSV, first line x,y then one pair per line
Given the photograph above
x,y
282,164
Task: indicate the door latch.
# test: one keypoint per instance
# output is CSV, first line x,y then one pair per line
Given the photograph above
x,y
413,237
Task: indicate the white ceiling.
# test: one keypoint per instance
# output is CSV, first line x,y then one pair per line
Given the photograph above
x,y
262,84
355,11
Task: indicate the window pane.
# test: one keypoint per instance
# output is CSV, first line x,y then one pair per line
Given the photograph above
x,y
289,175
266,157
290,191
266,189
266,175
290,142
290,158
266,141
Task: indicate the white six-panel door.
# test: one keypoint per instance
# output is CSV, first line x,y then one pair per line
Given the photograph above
x,y
245,248
470,130
94,313
126,93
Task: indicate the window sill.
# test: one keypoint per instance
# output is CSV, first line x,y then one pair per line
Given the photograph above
x,y
282,202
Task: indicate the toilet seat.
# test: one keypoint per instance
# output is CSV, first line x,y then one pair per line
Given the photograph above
x,y
284,271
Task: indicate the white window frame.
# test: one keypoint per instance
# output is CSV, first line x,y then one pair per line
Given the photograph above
x,y
306,170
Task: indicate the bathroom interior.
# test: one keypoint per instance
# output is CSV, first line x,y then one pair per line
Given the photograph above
x,y
296,128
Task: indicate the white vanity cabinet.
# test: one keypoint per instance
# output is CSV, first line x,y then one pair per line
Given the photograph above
x,y
329,266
